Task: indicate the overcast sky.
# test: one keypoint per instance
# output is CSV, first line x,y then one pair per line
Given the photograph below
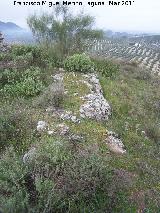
x,y
141,16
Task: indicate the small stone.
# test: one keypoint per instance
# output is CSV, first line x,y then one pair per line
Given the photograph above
x,y
50,132
66,92
75,94
29,156
41,126
50,109
74,119
62,129
61,69
114,143
76,138
58,77
66,116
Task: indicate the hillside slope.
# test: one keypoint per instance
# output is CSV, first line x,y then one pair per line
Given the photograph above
x,y
9,26
75,142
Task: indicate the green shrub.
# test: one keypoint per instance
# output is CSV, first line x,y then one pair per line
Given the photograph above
x,y
52,55
63,180
79,63
53,95
16,125
105,67
153,132
5,56
19,50
24,55
27,83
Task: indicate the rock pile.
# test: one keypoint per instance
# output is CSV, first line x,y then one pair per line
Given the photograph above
x,y
95,106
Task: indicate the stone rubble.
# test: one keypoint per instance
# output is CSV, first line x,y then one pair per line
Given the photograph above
x,y
69,116
95,106
62,129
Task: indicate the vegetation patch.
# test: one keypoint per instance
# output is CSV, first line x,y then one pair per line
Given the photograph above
x,y
79,63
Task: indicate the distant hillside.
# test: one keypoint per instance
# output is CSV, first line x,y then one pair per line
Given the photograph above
x,y
9,26
14,33
112,34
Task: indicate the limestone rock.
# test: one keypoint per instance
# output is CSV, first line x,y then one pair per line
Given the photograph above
x,y
69,116
29,156
61,69
50,132
58,77
95,106
76,138
114,143
62,129
41,126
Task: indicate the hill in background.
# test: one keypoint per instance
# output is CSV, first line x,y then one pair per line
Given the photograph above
x,y
14,33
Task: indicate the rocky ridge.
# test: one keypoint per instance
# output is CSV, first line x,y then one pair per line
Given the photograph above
x,y
94,107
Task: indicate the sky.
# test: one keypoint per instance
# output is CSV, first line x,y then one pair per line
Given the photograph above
x,y
140,16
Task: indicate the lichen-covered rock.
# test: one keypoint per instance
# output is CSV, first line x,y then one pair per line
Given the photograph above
x,y
114,143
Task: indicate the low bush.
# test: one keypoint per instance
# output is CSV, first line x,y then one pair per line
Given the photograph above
x,y
53,95
52,55
16,125
5,56
26,84
57,178
27,55
79,63
31,55
105,67
153,132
